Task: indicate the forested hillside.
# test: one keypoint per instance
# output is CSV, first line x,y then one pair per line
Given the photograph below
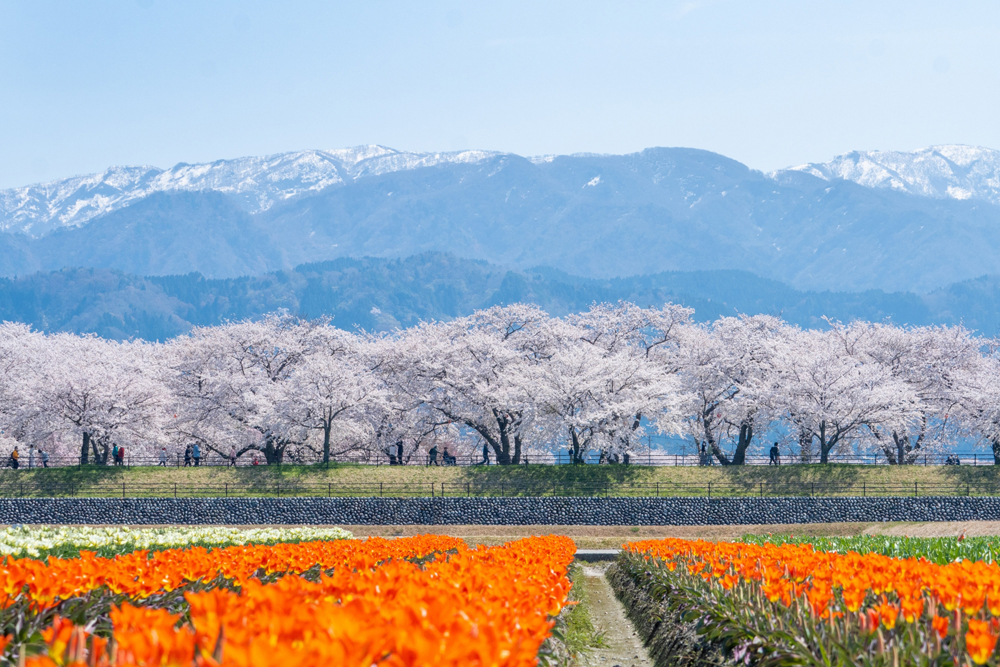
x,y
381,294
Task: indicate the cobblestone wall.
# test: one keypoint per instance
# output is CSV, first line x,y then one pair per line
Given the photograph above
x,y
494,511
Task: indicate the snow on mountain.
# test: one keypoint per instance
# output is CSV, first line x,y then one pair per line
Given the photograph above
x,y
955,171
256,182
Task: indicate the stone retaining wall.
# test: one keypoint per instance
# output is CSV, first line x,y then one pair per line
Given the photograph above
x,y
493,511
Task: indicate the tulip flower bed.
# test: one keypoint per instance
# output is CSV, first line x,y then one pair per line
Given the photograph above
x,y
428,600
738,603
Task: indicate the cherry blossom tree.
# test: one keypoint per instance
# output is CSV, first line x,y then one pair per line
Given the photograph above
x,y
831,395
20,404
605,373
472,371
234,379
728,371
937,364
980,404
105,392
335,385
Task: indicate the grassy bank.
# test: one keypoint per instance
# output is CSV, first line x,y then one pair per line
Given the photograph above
x,y
356,480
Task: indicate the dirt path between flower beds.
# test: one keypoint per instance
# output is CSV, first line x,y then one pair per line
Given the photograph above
x,y
611,537
624,648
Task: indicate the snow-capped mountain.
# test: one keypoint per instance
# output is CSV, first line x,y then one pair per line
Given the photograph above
x,y
955,171
257,183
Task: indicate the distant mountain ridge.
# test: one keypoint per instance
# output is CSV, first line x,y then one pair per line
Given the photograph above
x,y
257,183
955,171
379,294
602,216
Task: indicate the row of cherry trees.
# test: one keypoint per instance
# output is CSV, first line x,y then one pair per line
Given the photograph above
x,y
511,377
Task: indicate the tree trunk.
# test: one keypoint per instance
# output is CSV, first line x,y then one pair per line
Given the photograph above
x,y
503,453
574,439
274,450
901,448
826,445
746,437
710,438
805,445
327,427
888,449
101,449
505,425
85,450
907,451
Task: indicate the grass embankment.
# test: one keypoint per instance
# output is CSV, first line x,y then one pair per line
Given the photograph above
x,y
538,480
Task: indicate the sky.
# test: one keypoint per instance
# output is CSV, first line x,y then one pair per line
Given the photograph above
x,y
84,86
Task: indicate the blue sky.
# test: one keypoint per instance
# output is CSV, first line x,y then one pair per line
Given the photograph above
x,y
85,85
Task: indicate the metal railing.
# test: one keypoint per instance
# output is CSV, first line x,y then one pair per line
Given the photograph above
x,y
12,487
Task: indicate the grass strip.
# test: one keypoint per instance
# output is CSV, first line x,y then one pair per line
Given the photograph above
x,y
574,634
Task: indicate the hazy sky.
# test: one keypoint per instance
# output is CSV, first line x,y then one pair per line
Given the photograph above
x,y
85,85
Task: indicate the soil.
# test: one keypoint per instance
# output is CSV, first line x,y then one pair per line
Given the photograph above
x,y
624,647
612,537
936,529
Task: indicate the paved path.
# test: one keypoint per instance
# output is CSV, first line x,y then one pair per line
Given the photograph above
x,y
625,648
594,555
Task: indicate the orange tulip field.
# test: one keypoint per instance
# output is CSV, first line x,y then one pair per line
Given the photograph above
x,y
789,604
426,600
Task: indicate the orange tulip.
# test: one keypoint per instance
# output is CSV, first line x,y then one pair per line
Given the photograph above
x,y
940,625
980,640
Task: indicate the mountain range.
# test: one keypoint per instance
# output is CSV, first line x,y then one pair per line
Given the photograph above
x,y
877,220
378,238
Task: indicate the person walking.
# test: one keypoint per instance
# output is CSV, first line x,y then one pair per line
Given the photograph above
x,y
486,454
775,456
14,458
114,455
232,457
187,456
433,453
196,453
163,457
45,458
121,455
